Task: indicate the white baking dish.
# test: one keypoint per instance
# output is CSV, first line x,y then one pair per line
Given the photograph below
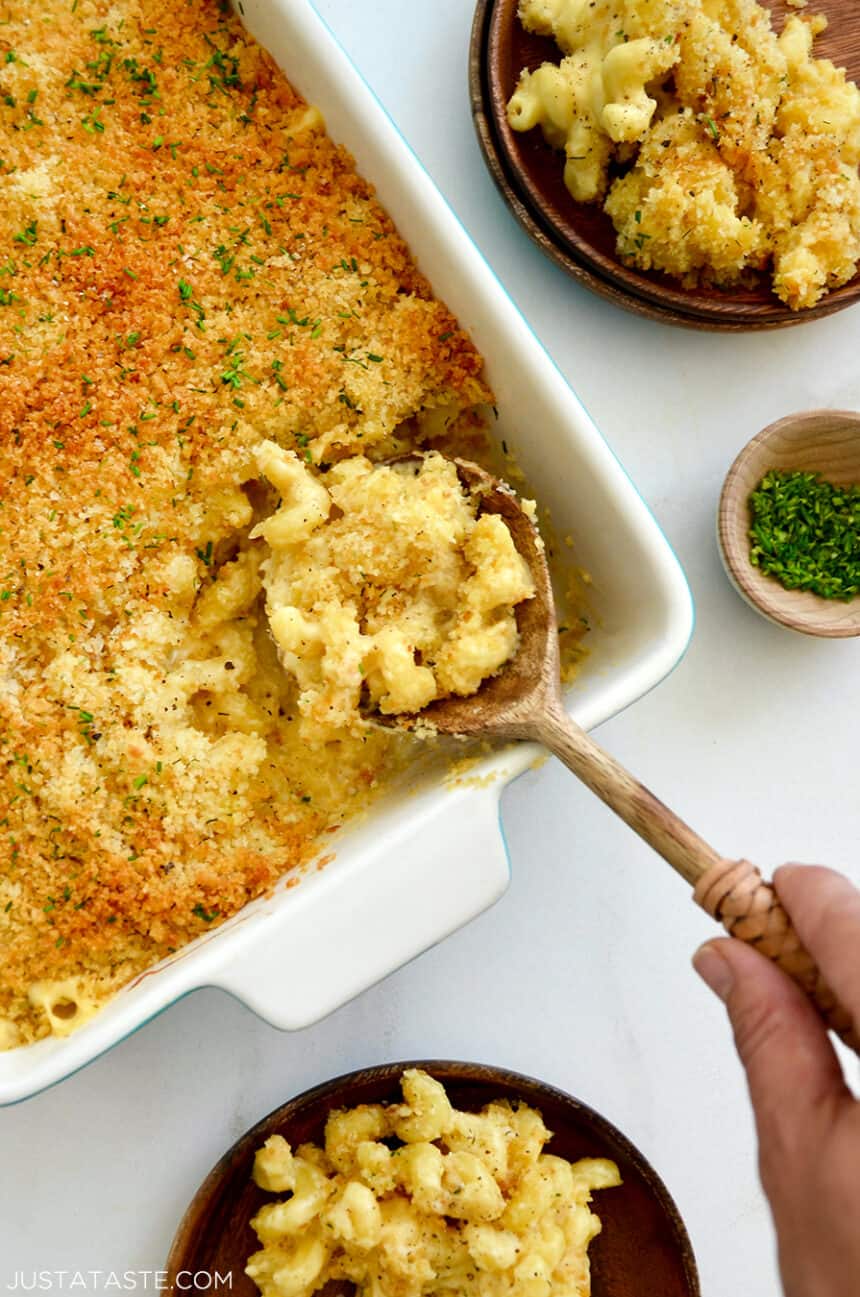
x,y
430,857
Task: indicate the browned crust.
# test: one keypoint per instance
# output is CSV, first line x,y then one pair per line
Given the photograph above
x,y
141,358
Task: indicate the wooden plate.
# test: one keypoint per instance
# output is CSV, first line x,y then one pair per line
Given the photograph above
x,y
643,1247
579,236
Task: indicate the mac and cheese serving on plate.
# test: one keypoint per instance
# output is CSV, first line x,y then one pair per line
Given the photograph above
x,y
418,1198
717,147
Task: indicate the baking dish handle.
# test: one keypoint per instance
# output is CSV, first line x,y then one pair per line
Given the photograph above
x,y
348,925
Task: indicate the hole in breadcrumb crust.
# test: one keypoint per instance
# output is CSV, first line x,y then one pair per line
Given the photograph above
x,y
64,1009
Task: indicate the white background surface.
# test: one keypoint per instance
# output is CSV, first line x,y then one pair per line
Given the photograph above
x,y
580,975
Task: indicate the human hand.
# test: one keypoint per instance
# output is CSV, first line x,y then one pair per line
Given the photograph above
x,y
808,1121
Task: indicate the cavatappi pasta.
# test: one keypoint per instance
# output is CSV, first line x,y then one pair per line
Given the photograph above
x,y
384,586
418,1199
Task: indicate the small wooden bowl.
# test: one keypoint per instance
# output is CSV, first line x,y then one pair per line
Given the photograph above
x,y
643,1246
820,441
579,236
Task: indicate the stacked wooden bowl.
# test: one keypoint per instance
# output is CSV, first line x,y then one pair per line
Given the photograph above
x,y
579,236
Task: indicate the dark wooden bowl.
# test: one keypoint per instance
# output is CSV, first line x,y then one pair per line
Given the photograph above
x,y
643,1247
579,236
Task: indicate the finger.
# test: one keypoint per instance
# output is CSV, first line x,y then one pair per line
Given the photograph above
x,y
825,909
792,1071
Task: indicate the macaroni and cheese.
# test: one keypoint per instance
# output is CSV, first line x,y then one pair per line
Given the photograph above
x,y
189,267
418,1198
385,584
716,147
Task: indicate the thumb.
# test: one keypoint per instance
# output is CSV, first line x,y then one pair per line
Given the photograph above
x,y
792,1069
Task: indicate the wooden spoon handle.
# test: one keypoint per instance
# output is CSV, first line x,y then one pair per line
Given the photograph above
x,y
661,828
732,891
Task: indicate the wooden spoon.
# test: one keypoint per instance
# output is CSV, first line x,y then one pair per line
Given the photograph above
x,y
523,701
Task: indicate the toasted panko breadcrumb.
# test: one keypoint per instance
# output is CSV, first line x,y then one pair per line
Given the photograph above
x,y
677,209
731,72
188,266
809,199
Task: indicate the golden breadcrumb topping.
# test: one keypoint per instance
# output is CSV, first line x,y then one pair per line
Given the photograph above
x,y
188,266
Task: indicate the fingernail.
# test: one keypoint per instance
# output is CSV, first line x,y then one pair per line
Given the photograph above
x,y
713,969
